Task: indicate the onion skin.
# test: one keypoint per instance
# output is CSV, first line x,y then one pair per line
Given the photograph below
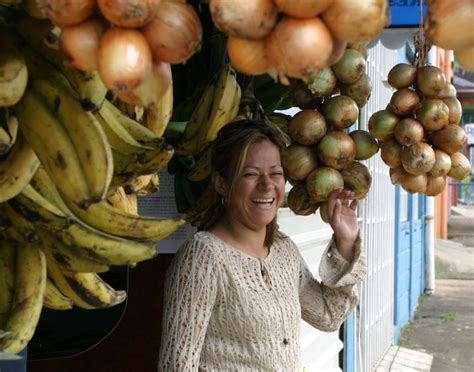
x,y
390,152
175,33
67,12
323,83
80,43
340,112
32,9
302,8
356,20
248,56
418,158
404,102
408,132
454,108
435,185
245,19
366,145
448,23
396,175
359,91
307,127
322,182
350,67
336,149
299,161
460,166
402,76
357,178
442,164
338,49
450,139
303,96
298,47
124,58
449,90
299,200
382,124
414,183
433,114
465,57
323,211
128,13
430,80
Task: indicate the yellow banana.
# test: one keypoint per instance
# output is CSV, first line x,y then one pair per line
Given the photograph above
x,y
133,202
154,184
13,76
158,115
18,228
8,131
86,134
54,299
202,167
137,184
105,217
53,146
44,185
30,283
86,290
119,200
7,277
17,169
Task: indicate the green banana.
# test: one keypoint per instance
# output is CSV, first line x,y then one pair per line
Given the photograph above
x,y
202,168
8,131
13,76
7,277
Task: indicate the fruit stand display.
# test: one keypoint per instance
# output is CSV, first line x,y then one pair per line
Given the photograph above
x,y
96,97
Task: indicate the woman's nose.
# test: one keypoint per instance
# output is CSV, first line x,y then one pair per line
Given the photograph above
x,y
265,182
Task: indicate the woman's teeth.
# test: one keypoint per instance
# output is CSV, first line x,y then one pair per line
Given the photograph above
x,y
263,200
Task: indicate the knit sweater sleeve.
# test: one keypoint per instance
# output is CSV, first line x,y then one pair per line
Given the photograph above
x,y
190,293
326,304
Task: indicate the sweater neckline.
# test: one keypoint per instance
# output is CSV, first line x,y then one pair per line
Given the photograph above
x,y
241,253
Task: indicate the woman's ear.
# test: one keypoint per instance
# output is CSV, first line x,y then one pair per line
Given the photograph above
x,y
219,184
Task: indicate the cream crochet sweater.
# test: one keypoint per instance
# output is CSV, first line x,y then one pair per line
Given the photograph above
x,y
227,311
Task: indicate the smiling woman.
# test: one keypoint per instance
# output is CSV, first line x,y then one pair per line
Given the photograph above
x,y
235,293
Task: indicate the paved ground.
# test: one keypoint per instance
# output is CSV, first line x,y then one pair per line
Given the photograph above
x,y
444,322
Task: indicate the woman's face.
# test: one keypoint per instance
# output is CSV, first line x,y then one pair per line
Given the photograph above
x,y
260,188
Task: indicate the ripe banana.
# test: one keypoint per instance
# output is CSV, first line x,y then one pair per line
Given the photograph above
x,y
7,277
44,185
202,168
17,169
86,290
30,283
137,184
13,76
53,146
8,131
18,229
105,217
86,134
133,201
54,299
119,200
159,114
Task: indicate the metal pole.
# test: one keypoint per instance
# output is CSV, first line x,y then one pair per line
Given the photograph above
x,y
429,246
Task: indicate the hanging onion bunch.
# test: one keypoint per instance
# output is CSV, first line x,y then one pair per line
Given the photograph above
x,y
420,134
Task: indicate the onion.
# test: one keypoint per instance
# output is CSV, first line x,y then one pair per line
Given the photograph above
x,y
408,132
307,127
382,124
299,200
67,12
152,88
414,183
442,164
403,102
80,43
449,23
433,114
322,182
299,161
454,108
465,57
124,58
338,49
366,145
175,33
360,46
298,47
245,19
356,20
32,9
396,175
357,178
340,112
402,76
418,158
303,96
430,80
435,185
336,149
323,82
248,56
448,90
450,139
302,8
350,67
460,166
390,152
323,211
359,91
128,13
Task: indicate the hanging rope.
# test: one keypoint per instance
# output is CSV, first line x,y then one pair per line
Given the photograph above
x,y
422,44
